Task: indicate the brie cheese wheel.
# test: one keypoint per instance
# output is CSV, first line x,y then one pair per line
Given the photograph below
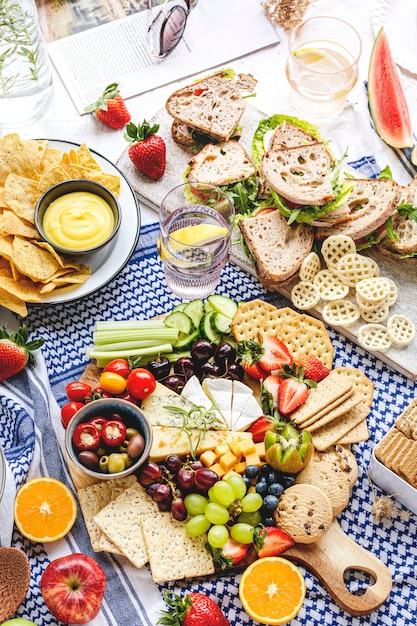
x,y
220,392
234,400
154,407
193,392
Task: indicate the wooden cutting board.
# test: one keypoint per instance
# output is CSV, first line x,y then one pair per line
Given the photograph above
x,y
330,558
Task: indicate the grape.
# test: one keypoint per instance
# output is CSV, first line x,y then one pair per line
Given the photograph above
x,y
238,485
253,519
217,536
161,492
150,489
185,478
164,505
173,463
195,503
150,473
197,525
243,533
178,510
216,513
195,465
211,496
205,478
223,493
251,502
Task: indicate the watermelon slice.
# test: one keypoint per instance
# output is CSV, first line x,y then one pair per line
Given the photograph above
x,y
387,103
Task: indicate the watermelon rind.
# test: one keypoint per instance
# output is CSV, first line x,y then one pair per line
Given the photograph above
x,y
387,102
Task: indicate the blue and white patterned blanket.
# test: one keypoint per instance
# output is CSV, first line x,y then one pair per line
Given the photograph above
x,y
32,438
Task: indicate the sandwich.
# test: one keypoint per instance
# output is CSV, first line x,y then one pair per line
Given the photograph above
x,y
276,247
209,109
400,238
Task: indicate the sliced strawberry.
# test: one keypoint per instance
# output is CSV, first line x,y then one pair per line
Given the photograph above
x,y
313,367
230,554
292,394
271,385
254,370
275,354
259,428
271,541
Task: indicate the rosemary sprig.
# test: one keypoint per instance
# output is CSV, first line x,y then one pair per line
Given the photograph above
x,y
198,418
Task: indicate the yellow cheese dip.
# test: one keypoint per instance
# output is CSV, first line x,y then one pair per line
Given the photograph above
x,y
78,220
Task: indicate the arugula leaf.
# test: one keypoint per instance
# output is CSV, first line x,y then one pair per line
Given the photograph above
x,y
408,210
385,173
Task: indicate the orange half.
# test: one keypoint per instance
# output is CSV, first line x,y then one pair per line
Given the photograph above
x,y
44,509
272,590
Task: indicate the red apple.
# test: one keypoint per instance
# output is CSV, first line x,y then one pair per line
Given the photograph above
x,y
73,588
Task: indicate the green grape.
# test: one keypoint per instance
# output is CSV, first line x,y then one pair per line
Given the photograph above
x,y
238,485
253,519
216,513
243,533
217,536
195,503
251,502
197,525
211,496
223,493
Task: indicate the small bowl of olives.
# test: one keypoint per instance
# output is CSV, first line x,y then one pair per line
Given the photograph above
x,y
109,438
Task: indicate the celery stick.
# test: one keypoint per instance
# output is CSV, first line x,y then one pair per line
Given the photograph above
x,y
116,336
128,324
124,354
127,346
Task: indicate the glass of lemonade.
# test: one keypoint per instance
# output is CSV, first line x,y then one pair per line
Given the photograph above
x,y
323,65
196,223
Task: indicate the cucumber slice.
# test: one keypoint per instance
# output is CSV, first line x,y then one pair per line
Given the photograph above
x,y
179,307
207,306
220,323
194,309
223,304
185,342
180,320
206,328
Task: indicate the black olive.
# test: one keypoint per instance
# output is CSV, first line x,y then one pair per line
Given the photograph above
x,y
185,366
160,367
202,350
175,382
224,352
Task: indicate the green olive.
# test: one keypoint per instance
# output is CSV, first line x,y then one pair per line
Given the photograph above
x,y
115,463
136,446
124,446
130,432
104,463
126,458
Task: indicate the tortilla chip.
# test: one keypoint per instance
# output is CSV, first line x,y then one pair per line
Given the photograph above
x,y
32,260
14,158
55,175
86,159
77,276
6,245
3,203
51,157
12,224
13,303
22,288
35,149
111,181
21,196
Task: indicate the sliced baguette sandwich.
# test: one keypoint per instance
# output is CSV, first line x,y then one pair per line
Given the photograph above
x,y
212,106
220,164
277,248
370,204
287,135
301,174
401,235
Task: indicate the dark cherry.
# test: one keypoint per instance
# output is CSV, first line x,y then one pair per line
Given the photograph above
x,y
211,369
224,352
184,366
160,367
235,371
202,350
175,382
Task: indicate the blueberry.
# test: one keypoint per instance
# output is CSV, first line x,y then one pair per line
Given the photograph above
x,y
266,469
252,471
261,487
247,481
287,480
269,521
275,489
270,503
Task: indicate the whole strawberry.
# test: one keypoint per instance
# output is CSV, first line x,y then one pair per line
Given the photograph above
x,y
147,150
110,108
194,609
16,351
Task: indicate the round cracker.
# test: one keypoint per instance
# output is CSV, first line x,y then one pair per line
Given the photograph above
x,y
362,384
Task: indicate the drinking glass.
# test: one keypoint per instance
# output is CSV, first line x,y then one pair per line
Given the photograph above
x,y
25,68
196,222
322,66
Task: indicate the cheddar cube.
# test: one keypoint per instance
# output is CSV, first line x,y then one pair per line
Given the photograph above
x,y
253,459
208,458
228,460
221,449
231,472
247,446
220,471
239,468
260,449
235,448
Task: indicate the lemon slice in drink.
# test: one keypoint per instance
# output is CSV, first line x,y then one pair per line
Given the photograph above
x,y
317,59
197,235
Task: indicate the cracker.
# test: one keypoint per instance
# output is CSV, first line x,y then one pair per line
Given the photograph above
x,y
304,512
396,448
304,295
358,433
95,497
401,455
407,421
335,484
353,267
376,314
342,408
331,433
309,267
309,336
275,320
408,465
383,448
361,382
335,247
401,330
340,313
249,318
330,286
120,520
374,337
328,390
173,555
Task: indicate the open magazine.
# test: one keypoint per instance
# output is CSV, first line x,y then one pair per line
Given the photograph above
x,y
217,32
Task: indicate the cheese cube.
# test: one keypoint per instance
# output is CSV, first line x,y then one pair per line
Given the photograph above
x,y
220,471
235,448
247,446
228,460
253,459
231,472
260,449
239,468
208,458
221,449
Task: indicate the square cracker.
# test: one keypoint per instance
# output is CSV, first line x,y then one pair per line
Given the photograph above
x,y
120,520
95,497
358,433
407,421
326,394
408,465
348,403
361,382
387,443
173,555
331,433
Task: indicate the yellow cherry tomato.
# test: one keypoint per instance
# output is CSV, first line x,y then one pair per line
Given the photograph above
x,y
112,383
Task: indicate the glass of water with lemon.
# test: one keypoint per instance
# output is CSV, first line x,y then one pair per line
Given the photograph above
x,y
322,65
196,223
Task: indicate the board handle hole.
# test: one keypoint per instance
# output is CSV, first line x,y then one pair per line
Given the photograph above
x,y
357,581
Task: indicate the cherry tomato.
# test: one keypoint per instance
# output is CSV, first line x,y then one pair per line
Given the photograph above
x,y
141,383
126,396
78,391
118,366
112,383
68,410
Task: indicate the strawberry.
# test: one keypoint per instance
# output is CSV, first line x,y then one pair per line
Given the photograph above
x,y
110,108
259,428
293,390
275,354
16,351
194,609
251,352
147,150
271,541
230,554
270,385
313,367
254,370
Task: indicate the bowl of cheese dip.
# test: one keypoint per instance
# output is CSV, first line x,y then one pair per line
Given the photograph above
x,y
78,216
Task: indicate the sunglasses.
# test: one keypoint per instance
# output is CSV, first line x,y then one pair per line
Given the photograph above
x,y
167,24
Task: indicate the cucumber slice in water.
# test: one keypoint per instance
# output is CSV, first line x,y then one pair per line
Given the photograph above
x,y
223,304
